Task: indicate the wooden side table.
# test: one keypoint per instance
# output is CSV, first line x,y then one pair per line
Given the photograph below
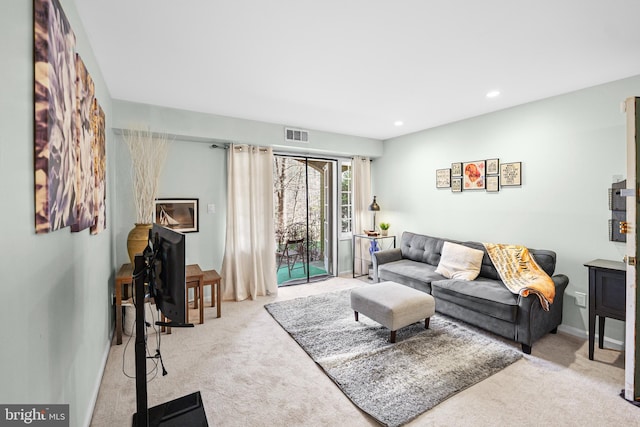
x,y
195,274
607,296
124,277
212,278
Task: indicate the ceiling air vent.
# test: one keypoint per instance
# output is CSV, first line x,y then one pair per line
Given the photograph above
x,y
296,135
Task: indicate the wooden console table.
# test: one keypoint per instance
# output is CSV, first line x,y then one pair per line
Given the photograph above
x,y
607,296
124,277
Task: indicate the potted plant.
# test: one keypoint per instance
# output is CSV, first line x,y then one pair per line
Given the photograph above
x,y
384,228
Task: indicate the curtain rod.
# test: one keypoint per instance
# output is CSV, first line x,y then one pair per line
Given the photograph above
x,y
328,156
238,147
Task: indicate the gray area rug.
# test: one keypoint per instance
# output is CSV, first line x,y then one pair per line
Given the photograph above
x,y
394,383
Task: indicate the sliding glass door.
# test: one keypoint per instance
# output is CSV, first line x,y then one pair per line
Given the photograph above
x,y
304,218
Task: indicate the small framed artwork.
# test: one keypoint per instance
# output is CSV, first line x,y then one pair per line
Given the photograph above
x,y
178,214
492,184
493,167
456,185
443,178
510,174
473,175
456,169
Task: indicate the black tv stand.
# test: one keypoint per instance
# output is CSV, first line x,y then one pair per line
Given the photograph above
x,y
183,411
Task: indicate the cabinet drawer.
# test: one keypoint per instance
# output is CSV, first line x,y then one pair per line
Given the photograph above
x,y
610,293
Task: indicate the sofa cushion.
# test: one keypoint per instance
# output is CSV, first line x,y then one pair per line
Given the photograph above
x,y
485,296
546,260
421,248
417,275
459,262
487,269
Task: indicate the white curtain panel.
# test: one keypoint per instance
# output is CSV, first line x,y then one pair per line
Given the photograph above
x,y
362,217
362,198
248,267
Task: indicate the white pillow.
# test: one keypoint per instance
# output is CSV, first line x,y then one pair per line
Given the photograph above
x,y
459,262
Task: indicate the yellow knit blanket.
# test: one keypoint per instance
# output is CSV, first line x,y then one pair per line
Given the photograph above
x,y
520,272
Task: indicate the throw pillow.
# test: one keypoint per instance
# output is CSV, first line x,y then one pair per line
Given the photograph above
x,y
459,262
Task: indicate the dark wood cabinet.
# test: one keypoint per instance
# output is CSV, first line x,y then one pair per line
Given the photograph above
x,y
607,296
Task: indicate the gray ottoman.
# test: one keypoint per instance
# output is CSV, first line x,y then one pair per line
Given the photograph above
x,y
393,305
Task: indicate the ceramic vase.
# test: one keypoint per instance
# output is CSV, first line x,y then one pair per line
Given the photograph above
x,y
137,240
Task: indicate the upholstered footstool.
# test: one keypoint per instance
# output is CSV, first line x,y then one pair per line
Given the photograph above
x,y
393,305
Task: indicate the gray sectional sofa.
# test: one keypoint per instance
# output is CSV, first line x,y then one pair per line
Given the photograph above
x,y
484,302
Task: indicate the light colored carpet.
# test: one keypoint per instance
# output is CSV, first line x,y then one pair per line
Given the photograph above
x,y
394,383
252,373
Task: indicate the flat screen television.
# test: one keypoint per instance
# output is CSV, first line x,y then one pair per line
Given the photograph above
x,y
167,283
163,267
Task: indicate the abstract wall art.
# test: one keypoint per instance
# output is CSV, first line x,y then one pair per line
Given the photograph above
x,y
55,117
69,129
84,183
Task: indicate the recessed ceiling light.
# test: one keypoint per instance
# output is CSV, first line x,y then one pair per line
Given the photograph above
x,y
398,123
493,94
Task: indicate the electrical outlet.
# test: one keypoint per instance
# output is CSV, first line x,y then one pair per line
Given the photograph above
x,y
581,299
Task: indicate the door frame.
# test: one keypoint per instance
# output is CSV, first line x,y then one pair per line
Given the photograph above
x,y
332,248
632,352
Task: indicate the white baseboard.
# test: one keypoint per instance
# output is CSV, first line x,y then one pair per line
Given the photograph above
x,y
611,343
98,381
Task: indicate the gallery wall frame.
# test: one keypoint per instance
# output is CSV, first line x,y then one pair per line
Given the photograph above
x,y
473,175
492,184
178,214
456,185
511,174
443,178
493,166
456,169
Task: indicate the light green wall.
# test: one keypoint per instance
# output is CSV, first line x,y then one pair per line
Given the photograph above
x,y
57,288
209,127
193,169
570,146
56,314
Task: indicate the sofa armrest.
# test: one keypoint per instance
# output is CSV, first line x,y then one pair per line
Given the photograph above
x,y
383,257
534,322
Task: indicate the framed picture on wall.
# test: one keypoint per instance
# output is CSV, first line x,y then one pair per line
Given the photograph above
x,y
473,175
456,169
456,185
443,178
492,184
510,174
178,214
493,167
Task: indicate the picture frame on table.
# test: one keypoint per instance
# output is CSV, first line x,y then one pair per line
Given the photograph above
x,y
177,214
492,184
456,169
443,178
493,166
473,175
511,174
456,185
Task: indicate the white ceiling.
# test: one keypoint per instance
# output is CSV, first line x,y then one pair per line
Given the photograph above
x,y
356,66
